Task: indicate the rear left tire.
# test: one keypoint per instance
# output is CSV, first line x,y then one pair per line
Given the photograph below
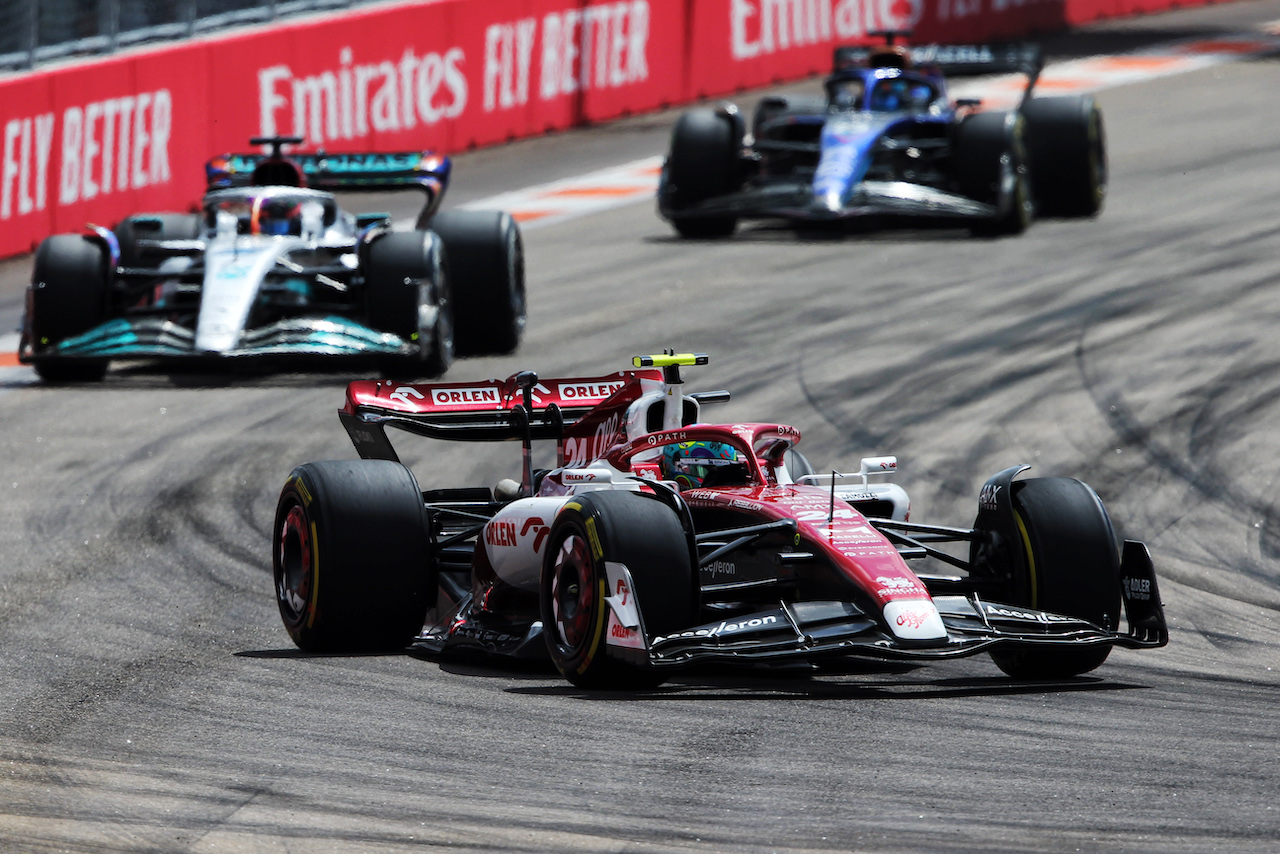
x,y
351,557
158,226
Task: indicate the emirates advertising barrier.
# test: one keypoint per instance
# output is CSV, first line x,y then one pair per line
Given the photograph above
x,y
96,141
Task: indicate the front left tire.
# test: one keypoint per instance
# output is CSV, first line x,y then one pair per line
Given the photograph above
x,y
703,163
69,295
645,536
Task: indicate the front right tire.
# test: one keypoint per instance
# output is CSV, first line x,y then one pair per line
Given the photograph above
x,y
1071,567
990,166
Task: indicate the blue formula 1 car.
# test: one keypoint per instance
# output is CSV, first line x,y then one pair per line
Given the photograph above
x,y
273,269
886,140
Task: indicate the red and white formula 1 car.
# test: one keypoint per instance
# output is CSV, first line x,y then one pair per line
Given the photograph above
x,y
663,540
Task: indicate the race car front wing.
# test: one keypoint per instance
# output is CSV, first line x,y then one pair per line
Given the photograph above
x,y
805,630
155,337
797,202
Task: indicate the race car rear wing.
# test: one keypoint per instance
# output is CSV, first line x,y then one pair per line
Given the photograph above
x,y
363,172
519,407
588,413
956,60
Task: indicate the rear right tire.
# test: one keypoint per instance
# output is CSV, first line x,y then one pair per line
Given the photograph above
x,y
1067,150
486,262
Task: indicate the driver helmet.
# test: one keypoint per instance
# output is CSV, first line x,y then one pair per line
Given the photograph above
x,y
689,463
889,95
276,216
847,93
899,93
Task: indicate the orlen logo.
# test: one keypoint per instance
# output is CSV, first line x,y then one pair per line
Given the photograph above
x,y
621,632
457,396
503,532
583,476
588,391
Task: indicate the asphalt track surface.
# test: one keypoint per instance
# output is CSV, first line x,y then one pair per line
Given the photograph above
x,y
150,701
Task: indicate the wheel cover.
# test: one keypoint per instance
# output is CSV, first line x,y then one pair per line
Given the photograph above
x,y
573,592
1097,161
294,578
515,275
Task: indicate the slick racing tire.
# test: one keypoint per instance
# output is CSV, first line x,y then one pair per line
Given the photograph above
x,y
351,555
69,296
406,278
486,260
644,535
1067,151
990,165
1072,567
703,164
159,226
